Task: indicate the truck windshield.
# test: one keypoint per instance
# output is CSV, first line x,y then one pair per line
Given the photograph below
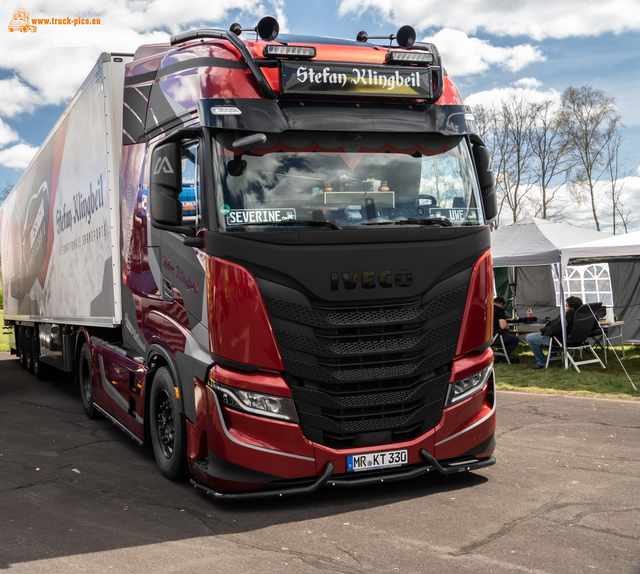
x,y
345,181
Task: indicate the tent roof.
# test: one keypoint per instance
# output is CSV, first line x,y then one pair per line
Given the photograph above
x,y
534,241
624,247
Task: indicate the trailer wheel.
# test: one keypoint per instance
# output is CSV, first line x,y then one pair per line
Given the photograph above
x,y
84,381
39,368
23,355
168,433
28,349
18,334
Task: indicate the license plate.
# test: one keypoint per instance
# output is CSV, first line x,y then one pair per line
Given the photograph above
x,y
377,460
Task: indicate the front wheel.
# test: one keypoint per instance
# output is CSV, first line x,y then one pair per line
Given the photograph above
x,y
84,381
168,434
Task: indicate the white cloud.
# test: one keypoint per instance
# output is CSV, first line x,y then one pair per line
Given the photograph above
x,y
16,97
44,71
492,98
18,156
527,83
7,134
463,56
537,19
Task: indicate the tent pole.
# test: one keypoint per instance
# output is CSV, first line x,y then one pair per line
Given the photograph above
x,y
557,270
513,285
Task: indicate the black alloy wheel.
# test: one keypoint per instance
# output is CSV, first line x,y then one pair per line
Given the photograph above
x,y
168,433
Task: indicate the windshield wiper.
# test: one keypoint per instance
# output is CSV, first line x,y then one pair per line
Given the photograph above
x,y
292,222
441,221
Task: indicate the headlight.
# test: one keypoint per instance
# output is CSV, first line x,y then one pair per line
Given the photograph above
x,y
281,408
468,386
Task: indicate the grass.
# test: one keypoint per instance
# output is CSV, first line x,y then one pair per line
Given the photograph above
x,y
4,337
592,381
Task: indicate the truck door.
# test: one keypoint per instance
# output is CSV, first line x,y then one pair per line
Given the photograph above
x,y
175,202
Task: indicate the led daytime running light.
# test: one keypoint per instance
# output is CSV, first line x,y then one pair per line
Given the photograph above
x,y
274,51
281,408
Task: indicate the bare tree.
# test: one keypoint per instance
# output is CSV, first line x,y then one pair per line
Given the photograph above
x,y
514,121
616,172
588,120
551,166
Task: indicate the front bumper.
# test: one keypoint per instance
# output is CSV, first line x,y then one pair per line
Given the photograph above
x,y
353,480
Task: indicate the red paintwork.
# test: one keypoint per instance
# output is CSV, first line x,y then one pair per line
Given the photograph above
x,y
259,381
477,322
239,327
117,369
250,431
467,412
462,416
450,95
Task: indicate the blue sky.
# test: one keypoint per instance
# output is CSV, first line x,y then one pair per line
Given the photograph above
x,y
487,48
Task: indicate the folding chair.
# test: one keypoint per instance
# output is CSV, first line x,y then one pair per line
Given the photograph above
x,y
501,351
584,323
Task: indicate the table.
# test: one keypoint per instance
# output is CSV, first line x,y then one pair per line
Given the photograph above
x,y
603,344
523,329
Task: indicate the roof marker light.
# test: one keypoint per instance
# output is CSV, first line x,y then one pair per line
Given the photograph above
x,y
419,58
274,51
225,111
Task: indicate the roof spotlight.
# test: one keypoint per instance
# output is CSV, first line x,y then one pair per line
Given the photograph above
x,y
268,28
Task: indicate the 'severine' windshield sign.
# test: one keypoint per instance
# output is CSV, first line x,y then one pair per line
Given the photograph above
x,y
356,79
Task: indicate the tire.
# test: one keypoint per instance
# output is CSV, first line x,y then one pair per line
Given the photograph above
x,y
84,381
18,335
23,355
28,349
39,368
168,433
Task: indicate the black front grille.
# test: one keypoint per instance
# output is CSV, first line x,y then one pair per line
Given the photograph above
x,y
367,373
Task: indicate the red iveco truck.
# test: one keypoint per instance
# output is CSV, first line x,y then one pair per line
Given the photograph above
x,y
268,257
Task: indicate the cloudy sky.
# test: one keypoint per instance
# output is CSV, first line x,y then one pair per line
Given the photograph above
x,y
487,46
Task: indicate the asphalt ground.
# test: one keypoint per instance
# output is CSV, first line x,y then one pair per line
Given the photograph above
x,y
78,496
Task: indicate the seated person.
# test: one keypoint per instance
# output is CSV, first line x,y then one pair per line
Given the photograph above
x,y
552,329
500,326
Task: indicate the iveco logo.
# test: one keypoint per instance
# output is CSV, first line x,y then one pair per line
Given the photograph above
x,y
369,279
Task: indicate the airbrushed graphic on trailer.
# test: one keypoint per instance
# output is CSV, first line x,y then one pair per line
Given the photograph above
x,y
49,249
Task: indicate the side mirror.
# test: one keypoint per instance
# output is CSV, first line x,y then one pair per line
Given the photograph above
x,y
165,186
487,182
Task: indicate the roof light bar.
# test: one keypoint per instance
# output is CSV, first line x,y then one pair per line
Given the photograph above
x,y
274,51
420,58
